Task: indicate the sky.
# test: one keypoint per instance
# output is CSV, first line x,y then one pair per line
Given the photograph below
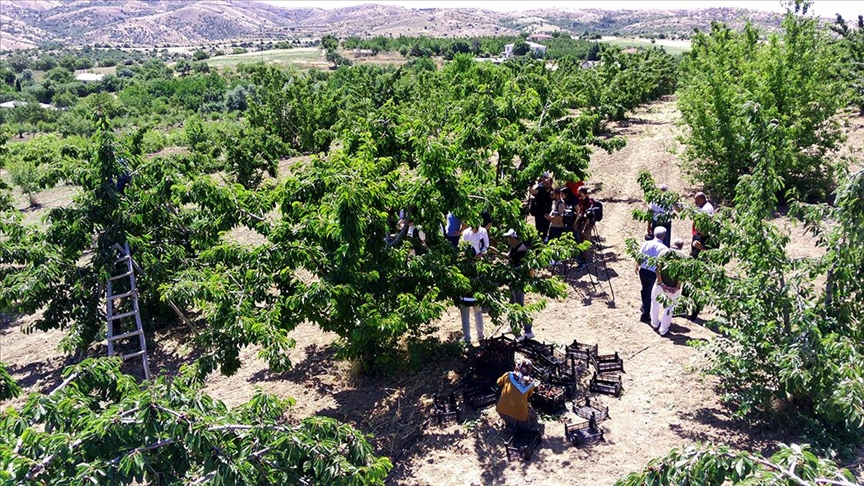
x,y
850,9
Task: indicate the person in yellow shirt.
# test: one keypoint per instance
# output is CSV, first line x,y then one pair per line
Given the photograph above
x,y
517,388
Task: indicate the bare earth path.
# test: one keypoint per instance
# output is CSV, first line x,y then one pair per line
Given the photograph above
x,y
666,403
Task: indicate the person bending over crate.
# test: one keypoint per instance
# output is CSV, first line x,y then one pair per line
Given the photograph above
x,y
517,386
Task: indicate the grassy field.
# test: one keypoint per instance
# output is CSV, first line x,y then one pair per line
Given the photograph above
x,y
675,48
302,57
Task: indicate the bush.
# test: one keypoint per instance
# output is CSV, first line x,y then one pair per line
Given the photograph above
x,y
153,141
792,80
26,175
170,432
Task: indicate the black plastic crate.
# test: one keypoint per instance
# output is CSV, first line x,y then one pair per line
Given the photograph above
x,y
581,351
549,398
569,386
480,396
446,408
609,384
568,376
495,357
474,377
523,443
537,351
590,411
571,370
606,363
582,433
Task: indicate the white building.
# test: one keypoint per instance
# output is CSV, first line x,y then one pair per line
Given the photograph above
x,y
89,77
538,50
13,104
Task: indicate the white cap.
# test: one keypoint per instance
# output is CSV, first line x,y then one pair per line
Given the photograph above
x,y
547,175
659,232
511,233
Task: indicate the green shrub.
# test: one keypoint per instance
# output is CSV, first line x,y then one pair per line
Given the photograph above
x,y
153,141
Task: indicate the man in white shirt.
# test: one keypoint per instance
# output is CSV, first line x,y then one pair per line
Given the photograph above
x,y
647,271
700,239
478,238
703,204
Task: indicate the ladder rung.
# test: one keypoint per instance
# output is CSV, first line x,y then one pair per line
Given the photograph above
x,y
121,316
125,335
122,275
123,259
136,354
121,296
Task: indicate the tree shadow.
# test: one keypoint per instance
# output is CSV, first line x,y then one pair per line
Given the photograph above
x,y
635,121
165,361
32,208
47,372
9,322
317,364
629,200
726,428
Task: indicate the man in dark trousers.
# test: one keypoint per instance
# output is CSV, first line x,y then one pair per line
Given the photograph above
x,y
518,249
701,242
648,270
542,204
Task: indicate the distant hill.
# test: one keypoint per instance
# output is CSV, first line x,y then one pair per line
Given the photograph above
x,y
151,23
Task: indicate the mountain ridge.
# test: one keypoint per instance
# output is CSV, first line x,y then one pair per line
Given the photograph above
x,y
151,23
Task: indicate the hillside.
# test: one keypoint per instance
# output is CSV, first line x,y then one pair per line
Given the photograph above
x,y
640,22
27,23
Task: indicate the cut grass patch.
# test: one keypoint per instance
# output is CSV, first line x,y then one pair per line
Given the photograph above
x,y
674,48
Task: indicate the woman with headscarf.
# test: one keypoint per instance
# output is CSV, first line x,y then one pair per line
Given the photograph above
x,y
517,386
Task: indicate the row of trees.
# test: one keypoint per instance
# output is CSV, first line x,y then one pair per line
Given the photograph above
x,y
760,121
420,140
326,229
559,46
153,96
405,125
799,78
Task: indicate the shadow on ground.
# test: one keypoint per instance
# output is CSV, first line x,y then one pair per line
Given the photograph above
x,y
724,426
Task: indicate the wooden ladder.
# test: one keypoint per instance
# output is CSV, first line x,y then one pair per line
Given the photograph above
x,y
127,271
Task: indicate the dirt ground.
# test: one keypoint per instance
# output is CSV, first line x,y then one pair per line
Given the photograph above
x,y
666,402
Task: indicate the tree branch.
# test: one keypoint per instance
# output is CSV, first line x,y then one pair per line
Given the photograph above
x,y
148,447
68,380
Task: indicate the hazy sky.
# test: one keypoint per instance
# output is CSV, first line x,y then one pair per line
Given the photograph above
x,y
850,9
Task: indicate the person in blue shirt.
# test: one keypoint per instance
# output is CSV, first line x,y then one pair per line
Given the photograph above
x,y
453,230
647,270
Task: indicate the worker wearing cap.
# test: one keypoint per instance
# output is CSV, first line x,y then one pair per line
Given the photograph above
x,y
647,270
